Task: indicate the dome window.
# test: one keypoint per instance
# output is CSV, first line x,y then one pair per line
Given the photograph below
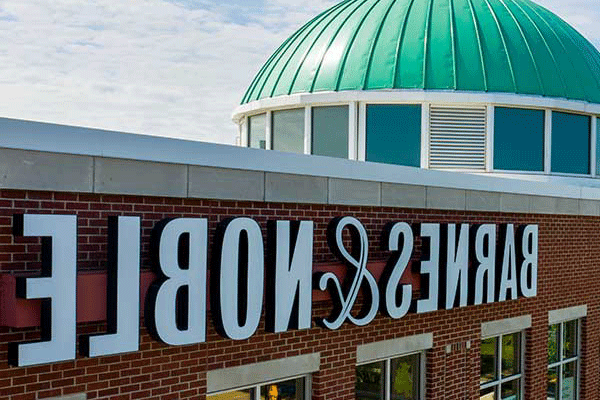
x,y
519,139
394,134
257,127
288,130
330,131
570,143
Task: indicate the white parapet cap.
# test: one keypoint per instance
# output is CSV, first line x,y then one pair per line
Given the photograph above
x,y
35,136
263,372
505,326
393,348
566,314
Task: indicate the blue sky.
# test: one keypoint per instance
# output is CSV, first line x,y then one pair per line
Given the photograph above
x,y
160,67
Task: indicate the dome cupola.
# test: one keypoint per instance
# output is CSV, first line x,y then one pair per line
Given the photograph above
x,y
472,85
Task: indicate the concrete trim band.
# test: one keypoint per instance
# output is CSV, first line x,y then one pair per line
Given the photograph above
x,y
268,371
505,326
566,314
393,348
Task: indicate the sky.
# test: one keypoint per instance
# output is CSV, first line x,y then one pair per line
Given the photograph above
x,y
174,68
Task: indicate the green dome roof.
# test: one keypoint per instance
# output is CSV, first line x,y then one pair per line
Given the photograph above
x,y
507,46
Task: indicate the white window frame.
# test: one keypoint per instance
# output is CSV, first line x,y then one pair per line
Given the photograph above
x,y
497,384
501,328
256,388
560,317
264,373
561,363
388,350
387,368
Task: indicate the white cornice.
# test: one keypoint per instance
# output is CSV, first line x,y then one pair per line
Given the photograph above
x,y
413,96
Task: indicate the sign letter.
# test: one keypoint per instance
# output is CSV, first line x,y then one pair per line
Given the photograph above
x,y
508,271
529,266
57,288
238,278
176,305
431,267
123,292
485,254
390,281
289,277
457,267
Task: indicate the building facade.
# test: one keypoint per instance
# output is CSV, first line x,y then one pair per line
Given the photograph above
x,y
427,232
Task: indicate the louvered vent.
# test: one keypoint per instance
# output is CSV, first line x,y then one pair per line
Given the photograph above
x,y
457,137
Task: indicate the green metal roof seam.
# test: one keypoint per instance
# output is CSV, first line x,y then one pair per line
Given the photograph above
x,y
495,46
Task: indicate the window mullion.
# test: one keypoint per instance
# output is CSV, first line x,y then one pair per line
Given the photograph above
x,y
499,363
387,371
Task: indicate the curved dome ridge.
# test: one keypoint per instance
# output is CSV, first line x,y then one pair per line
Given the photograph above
x,y
571,52
503,46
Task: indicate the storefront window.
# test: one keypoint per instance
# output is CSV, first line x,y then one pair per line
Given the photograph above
x,y
563,360
293,389
394,134
570,143
288,130
395,379
501,371
518,139
330,131
257,126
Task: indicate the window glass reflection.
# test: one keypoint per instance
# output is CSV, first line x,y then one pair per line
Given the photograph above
x,y
510,390
488,360
570,339
553,343
288,390
257,131
288,130
511,350
487,394
552,384
330,131
370,381
405,378
568,381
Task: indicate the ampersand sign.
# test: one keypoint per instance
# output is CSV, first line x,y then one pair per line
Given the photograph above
x,y
356,260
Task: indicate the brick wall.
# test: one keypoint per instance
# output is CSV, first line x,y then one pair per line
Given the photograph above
x,y
568,275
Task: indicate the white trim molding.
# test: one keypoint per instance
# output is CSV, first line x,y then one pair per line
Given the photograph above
x,y
489,134
566,314
505,326
393,348
412,96
268,371
425,109
362,132
548,141
308,130
269,130
593,146
353,131
244,132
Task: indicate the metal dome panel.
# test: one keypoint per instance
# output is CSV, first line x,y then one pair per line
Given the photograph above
x,y
505,46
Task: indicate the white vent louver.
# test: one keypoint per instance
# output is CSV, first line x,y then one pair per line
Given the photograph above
x,y
457,137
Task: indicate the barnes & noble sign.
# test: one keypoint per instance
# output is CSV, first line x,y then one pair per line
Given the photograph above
x,y
459,265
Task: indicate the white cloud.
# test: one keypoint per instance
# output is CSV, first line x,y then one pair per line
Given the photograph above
x,y
583,15
173,68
